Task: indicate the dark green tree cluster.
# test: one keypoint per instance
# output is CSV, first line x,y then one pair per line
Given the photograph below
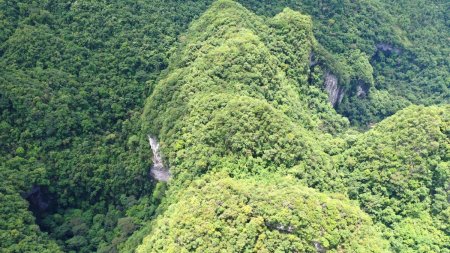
x,y
18,230
73,78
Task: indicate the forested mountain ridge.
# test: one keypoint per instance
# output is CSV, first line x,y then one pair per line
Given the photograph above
x,y
206,132
239,105
230,85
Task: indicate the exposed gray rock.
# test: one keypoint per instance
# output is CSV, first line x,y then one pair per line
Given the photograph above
x,y
335,92
362,91
288,229
157,171
319,247
386,47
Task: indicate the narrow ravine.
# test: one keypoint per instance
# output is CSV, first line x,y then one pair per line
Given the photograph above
x,y
157,171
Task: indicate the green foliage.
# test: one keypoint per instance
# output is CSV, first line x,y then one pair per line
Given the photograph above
x,y
249,59
218,214
231,103
18,231
375,107
81,231
72,82
234,93
394,167
420,73
400,169
223,109
413,65
419,235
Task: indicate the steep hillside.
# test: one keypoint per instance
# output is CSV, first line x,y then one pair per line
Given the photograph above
x,y
400,174
405,42
307,117
229,97
260,215
72,86
212,118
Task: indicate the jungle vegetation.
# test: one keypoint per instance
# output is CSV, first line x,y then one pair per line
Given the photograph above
x,y
260,160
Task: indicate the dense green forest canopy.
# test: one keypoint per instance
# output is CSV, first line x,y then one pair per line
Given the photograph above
x,y
294,125
219,213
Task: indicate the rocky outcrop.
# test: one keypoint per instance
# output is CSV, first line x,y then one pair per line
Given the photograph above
x,y
335,92
319,247
157,171
288,229
386,47
362,90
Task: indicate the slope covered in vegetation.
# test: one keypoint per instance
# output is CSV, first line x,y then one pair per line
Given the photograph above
x,y
228,99
405,42
261,215
239,105
213,119
400,174
72,85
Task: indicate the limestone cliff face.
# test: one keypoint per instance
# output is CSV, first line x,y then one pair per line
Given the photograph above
x,y
335,92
